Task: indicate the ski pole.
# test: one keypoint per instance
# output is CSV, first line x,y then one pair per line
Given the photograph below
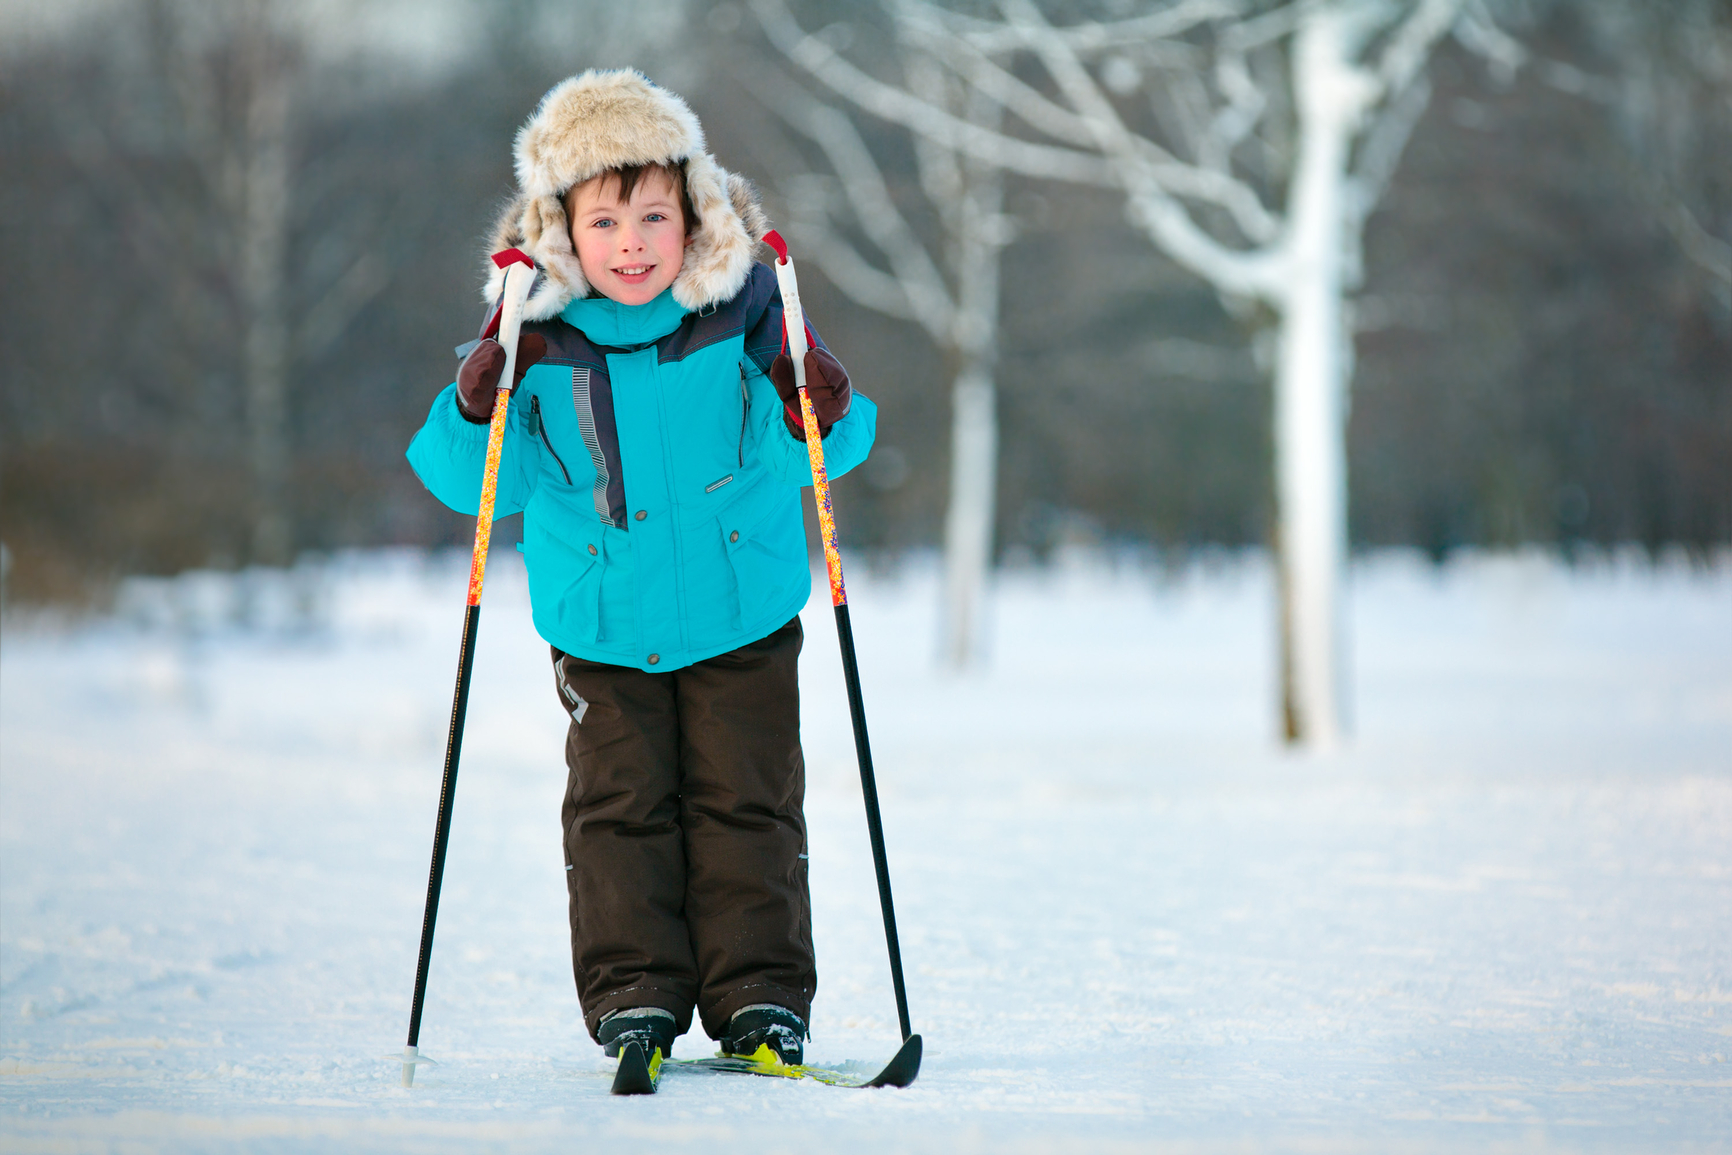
x,y
506,322
794,324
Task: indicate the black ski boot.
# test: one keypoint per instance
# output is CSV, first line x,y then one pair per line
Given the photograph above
x,y
649,1027
754,1026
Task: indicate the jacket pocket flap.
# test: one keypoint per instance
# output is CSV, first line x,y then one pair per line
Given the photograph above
x,y
741,522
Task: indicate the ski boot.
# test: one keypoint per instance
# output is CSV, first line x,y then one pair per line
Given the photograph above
x,y
765,1024
649,1027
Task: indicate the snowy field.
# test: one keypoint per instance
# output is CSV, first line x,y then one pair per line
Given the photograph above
x,y
1500,921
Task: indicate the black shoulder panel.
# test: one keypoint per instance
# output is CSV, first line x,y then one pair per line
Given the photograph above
x,y
764,342
755,311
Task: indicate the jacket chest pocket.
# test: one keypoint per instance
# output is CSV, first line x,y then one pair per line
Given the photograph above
x,y
538,430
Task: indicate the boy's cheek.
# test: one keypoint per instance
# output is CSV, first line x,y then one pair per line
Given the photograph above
x,y
585,260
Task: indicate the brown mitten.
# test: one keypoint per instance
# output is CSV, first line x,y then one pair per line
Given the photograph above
x,y
478,379
826,384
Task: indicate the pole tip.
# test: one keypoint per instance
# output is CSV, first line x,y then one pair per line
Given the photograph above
x,y
413,1058
775,241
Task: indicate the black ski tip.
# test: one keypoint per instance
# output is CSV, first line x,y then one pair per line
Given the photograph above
x,y
634,1076
903,1069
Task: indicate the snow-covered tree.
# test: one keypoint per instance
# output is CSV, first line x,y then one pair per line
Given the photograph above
x,y
1264,136
950,288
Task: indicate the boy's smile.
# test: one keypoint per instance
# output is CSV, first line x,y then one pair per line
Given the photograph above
x,y
630,251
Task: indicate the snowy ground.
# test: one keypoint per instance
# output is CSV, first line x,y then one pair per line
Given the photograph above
x,y
1501,921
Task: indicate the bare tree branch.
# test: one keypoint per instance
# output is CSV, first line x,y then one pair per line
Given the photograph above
x,y
939,166
926,297
1090,38
892,104
1245,106
1211,183
1479,33
1702,247
844,265
973,65
1245,274
1572,80
1242,273
1260,30
1410,47
1383,144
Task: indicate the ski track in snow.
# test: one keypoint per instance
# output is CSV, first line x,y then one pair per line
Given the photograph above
x,y
1500,920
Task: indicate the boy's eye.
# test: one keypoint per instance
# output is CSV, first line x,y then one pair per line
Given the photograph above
x,y
601,223
656,217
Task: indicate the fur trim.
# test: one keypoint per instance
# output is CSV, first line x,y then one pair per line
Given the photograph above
x,y
537,225
601,120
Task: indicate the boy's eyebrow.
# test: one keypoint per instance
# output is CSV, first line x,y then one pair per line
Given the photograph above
x,y
616,208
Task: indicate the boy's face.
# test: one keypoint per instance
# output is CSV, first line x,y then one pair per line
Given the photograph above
x,y
629,250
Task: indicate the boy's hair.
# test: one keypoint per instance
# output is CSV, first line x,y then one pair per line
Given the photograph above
x,y
631,175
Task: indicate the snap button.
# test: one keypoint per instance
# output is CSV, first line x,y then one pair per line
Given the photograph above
x,y
654,658
735,536
641,515
592,551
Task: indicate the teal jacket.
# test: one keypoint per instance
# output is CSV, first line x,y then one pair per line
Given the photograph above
x,y
660,488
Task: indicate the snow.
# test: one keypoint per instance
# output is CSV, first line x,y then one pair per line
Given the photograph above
x,y
1500,919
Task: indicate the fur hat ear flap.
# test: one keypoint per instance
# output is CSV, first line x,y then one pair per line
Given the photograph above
x,y
719,258
538,226
558,260
744,197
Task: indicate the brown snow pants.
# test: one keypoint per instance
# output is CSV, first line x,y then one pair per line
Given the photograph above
x,y
685,842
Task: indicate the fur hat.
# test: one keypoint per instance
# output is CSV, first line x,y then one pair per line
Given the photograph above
x,y
601,120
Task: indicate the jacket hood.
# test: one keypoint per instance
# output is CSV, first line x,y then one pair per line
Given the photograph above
x,y
605,119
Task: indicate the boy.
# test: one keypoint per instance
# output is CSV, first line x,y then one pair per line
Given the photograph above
x,y
656,451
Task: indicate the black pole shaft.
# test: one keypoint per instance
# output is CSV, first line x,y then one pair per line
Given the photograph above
x,y
442,832
874,824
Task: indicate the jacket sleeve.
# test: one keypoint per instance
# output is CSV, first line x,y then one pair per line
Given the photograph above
x,y
449,454
845,446
849,440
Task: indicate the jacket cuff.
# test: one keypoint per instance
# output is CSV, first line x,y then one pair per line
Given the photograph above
x,y
457,400
794,422
457,425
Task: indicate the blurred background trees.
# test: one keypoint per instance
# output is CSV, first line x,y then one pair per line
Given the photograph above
x,y
241,239
1250,142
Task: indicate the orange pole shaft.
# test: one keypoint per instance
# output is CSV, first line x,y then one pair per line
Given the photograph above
x,y
821,497
489,489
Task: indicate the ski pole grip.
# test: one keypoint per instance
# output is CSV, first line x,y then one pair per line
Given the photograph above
x,y
793,316
519,278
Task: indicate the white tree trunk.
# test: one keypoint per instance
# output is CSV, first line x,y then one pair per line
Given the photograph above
x,y
262,252
1310,384
969,521
972,195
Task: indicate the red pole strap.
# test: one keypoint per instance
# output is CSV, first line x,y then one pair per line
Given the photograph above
x,y
504,258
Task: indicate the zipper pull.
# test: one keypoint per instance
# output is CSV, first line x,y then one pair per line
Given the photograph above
x,y
534,415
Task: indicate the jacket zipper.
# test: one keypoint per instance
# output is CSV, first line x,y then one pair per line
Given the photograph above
x,y
745,408
537,429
